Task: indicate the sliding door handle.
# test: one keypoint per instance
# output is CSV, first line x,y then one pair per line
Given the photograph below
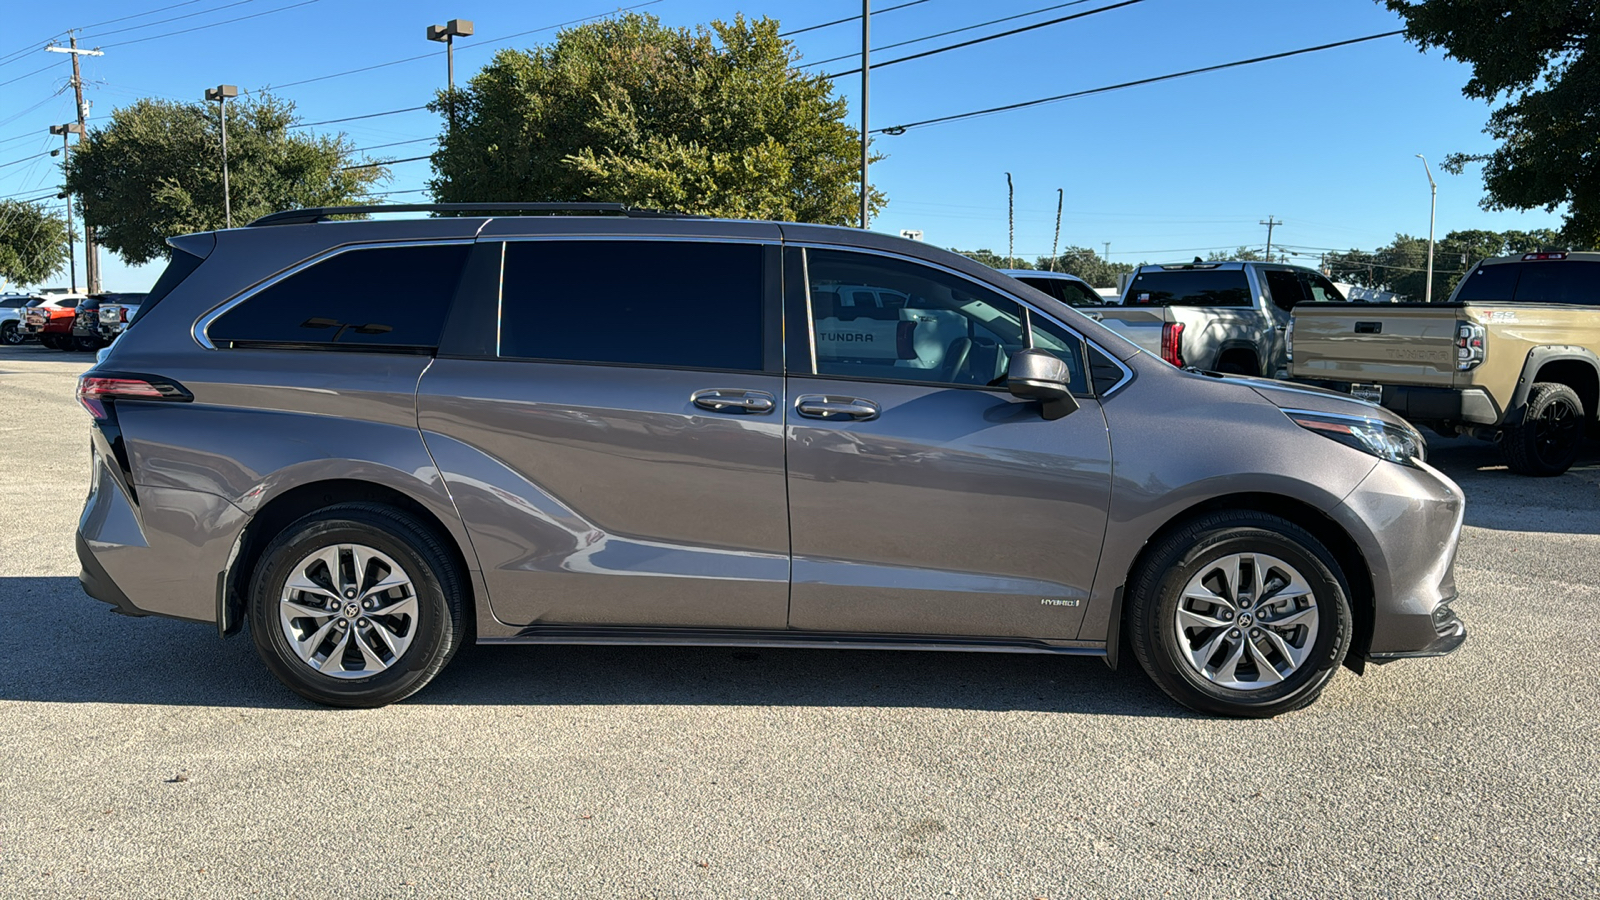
x,y
734,401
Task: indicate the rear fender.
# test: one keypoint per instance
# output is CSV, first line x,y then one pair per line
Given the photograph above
x,y
1538,359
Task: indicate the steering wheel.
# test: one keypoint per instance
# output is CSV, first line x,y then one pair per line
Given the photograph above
x,y
955,359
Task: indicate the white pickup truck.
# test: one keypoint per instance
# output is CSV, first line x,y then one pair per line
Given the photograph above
x,y
1227,317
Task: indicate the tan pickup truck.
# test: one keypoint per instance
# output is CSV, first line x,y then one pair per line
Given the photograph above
x,y
1513,356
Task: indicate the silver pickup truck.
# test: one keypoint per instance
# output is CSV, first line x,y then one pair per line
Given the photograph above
x,y
1216,316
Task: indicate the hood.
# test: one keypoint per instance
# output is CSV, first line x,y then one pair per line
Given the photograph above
x,y
1314,399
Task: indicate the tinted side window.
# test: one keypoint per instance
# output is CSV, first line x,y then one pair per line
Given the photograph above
x,y
684,304
379,297
1320,289
1576,283
1284,286
1198,287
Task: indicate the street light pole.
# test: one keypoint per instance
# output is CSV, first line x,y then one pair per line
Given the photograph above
x,y
447,33
866,74
66,148
1433,208
221,93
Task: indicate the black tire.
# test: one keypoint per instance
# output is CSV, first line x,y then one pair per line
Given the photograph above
x,y
1547,440
1159,582
52,341
440,624
10,335
85,344
1234,364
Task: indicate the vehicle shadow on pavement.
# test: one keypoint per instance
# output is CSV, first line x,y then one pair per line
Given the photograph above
x,y
60,646
1501,500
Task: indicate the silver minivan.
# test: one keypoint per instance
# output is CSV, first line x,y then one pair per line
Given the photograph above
x,y
373,441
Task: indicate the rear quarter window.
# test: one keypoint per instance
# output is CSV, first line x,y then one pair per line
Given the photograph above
x,y
379,297
1189,287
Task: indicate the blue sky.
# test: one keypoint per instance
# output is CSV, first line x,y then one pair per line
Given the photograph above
x,y
1324,142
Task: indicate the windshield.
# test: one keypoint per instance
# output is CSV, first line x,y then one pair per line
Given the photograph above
x,y
1189,287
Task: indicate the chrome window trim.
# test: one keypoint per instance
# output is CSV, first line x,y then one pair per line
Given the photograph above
x,y
1127,373
677,239
202,326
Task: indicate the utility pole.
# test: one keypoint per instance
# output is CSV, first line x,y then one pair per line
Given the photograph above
x,y
1011,219
91,257
72,237
1433,208
1057,242
866,71
1270,222
447,33
221,93
1107,256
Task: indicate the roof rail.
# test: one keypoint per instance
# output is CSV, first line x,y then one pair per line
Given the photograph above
x,y
320,213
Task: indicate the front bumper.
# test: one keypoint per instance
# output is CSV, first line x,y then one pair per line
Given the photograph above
x,y
1407,523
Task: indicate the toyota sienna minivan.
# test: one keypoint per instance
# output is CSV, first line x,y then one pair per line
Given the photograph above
x,y
375,440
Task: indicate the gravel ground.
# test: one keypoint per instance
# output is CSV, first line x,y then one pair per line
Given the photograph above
x,y
147,758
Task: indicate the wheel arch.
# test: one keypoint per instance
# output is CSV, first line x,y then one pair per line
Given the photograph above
x,y
1346,552
1240,348
280,511
1575,367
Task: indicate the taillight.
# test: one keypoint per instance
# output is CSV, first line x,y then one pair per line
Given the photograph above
x,y
1172,343
95,389
123,312
1288,341
1472,345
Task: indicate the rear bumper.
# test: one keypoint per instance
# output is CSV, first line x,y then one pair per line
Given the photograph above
x,y
1430,405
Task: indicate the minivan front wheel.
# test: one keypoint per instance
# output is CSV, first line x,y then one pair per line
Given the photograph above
x,y
356,605
1240,614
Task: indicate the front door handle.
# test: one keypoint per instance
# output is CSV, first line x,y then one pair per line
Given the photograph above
x,y
734,401
825,406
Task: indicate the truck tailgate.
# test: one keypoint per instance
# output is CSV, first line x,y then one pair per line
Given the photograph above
x,y
1140,324
1382,343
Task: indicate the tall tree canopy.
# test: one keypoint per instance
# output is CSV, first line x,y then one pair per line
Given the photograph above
x,y
1535,55
155,171
34,242
716,121
1086,264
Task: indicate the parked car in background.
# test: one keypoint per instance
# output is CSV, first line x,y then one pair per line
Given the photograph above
x,y
374,440
116,311
1227,317
1069,289
51,320
1513,356
11,306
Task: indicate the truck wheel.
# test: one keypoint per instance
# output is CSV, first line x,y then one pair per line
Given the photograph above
x,y
1240,614
10,335
1547,439
52,341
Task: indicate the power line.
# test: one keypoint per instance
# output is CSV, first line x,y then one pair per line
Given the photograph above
x,y
991,37
25,159
165,21
876,12
901,129
929,37
390,112
29,75
155,37
475,44
374,165
148,12
393,144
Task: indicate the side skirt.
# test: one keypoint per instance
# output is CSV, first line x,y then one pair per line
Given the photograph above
x,y
689,637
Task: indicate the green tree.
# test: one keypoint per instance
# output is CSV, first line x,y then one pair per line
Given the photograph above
x,y
1243,254
154,171
1086,264
715,120
994,260
34,242
1531,57
1402,265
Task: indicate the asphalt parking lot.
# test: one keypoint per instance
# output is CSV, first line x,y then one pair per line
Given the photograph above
x,y
148,758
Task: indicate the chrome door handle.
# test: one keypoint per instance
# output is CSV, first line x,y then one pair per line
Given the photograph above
x,y
734,401
822,406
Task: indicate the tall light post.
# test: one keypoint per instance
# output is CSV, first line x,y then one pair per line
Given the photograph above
x,y
866,75
66,148
447,33
1433,208
221,93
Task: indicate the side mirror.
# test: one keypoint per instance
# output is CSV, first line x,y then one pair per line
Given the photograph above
x,y
1037,375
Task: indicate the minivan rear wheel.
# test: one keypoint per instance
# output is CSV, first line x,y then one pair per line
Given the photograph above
x,y
1240,614
356,605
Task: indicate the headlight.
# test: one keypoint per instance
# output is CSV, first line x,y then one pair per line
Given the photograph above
x,y
1394,443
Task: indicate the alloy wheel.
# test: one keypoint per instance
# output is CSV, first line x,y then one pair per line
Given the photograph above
x,y
1557,428
1247,621
348,611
